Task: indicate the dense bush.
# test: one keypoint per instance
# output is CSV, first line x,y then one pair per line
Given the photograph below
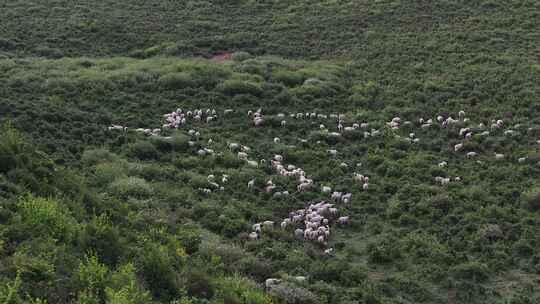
x,y
47,217
131,187
236,87
143,150
531,198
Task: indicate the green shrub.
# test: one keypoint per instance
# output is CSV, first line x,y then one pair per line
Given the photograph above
x,y
124,288
240,290
131,187
190,240
96,156
383,251
471,271
12,145
237,87
199,284
93,275
47,216
143,150
531,199
241,56
157,269
107,173
288,78
174,81
101,237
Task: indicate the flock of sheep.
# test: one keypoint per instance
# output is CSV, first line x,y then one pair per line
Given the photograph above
x,y
313,222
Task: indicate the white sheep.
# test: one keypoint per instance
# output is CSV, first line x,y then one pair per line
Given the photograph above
x,y
251,184
472,154
242,156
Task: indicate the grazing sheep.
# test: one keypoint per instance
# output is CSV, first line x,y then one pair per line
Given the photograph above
x,y
472,154
344,220
522,159
268,224
326,189
276,140
234,146
365,186
242,156
304,187
253,163
269,283
299,233
499,156
336,196
251,184
458,147
253,236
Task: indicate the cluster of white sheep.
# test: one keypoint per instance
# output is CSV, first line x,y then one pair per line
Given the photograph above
x,y
362,179
179,117
213,185
152,132
311,223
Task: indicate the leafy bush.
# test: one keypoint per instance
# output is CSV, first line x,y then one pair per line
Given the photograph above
x,y
96,156
124,288
237,87
93,276
47,216
12,146
241,56
143,150
199,284
472,271
291,294
107,173
383,251
531,198
101,237
289,78
131,187
240,290
158,272
176,81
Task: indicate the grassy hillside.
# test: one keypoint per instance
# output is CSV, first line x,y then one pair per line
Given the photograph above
x,y
413,30
93,215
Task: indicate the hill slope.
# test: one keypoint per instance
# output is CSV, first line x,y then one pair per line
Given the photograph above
x,y
91,214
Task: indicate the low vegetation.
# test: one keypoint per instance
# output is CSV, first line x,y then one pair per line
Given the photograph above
x,y
90,214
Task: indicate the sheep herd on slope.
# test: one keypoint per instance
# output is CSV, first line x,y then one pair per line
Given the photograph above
x,y
313,223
